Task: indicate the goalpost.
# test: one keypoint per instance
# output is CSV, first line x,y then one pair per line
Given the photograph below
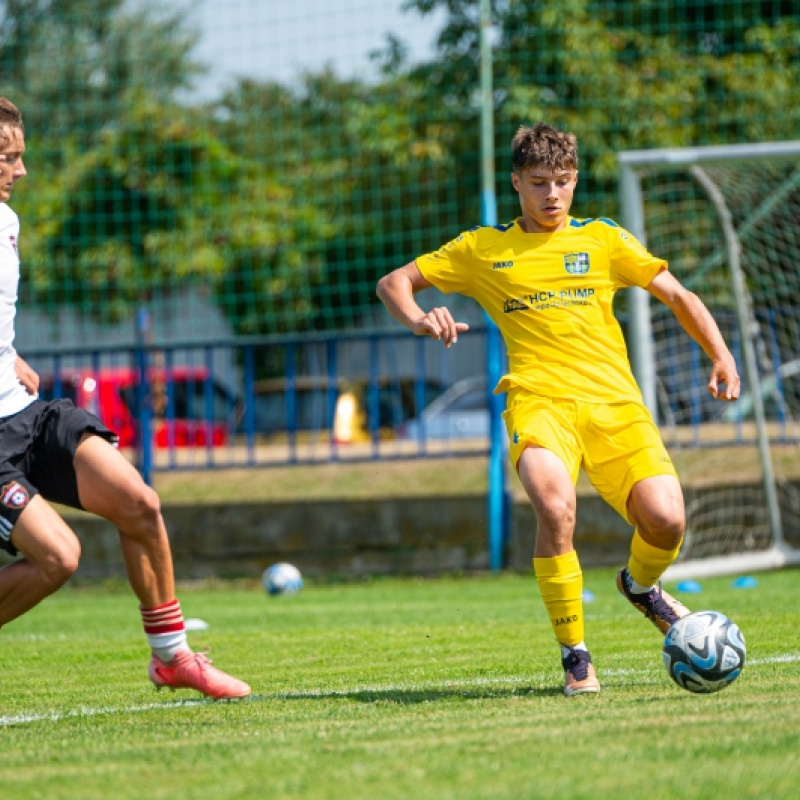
x,y
727,218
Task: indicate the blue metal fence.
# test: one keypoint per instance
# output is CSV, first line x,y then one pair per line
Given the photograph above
x,y
213,406
358,396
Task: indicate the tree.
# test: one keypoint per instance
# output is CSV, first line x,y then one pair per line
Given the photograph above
x,y
288,202
365,157
157,204
73,64
623,76
629,76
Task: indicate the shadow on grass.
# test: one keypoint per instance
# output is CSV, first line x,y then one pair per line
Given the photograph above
x,y
389,696
416,696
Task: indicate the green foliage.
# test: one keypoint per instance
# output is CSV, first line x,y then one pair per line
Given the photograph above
x,y
70,64
158,202
629,76
362,155
287,202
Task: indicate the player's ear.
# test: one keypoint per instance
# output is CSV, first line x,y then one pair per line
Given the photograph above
x,y
515,181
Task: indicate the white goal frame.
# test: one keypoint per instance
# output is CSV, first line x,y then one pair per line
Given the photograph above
x,y
632,162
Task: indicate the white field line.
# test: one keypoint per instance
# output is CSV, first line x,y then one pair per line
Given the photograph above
x,y
82,713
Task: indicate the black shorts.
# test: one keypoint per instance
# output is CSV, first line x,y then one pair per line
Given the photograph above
x,y
37,447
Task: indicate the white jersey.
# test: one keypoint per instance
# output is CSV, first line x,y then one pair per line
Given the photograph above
x,y
13,395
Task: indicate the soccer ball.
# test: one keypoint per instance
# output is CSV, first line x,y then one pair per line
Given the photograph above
x,y
282,579
704,652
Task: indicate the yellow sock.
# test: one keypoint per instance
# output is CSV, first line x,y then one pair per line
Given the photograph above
x,y
561,582
647,563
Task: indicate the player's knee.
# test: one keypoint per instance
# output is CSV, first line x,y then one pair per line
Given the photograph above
x,y
139,514
558,511
146,509
657,509
61,563
555,520
664,526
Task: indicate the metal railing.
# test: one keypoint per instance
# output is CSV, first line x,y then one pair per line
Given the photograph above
x,y
349,397
206,406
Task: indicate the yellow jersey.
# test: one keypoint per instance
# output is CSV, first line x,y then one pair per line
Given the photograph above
x,y
551,295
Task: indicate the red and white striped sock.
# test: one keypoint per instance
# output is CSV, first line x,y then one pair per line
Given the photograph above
x,y
164,628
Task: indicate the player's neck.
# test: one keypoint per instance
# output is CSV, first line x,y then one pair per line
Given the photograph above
x,y
531,226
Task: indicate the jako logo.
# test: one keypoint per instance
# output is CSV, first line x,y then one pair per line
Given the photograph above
x,y
565,620
502,265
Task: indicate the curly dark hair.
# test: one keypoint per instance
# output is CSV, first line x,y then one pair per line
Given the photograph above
x,y
544,145
10,119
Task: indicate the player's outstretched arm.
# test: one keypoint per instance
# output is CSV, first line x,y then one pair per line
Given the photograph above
x,y
697,321
28,377
396,291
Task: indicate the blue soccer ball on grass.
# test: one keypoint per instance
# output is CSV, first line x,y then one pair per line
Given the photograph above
x,y
704,652
282,579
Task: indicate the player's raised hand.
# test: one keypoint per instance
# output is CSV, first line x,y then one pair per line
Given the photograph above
x,y
723,371
438,323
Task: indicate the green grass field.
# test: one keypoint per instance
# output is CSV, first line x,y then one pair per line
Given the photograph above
x,y
445,688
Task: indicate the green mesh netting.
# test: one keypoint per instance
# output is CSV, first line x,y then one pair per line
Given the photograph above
x,y
253,158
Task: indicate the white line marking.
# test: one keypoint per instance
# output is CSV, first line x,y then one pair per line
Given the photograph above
x,y
54,716
82,713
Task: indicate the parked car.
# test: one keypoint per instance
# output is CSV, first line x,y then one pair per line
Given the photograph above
x,y
177,401
461,412
342,409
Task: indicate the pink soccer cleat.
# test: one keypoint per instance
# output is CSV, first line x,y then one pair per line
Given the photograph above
x,y
190,670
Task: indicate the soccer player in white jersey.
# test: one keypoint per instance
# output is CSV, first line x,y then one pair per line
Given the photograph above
x,y
548,281
53,451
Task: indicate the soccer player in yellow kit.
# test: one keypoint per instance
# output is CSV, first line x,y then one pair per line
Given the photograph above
x,y
548,281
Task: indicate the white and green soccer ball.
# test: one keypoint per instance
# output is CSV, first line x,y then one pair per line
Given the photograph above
x,y
704,652
282,578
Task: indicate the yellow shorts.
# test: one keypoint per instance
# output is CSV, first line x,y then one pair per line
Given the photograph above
x,y
617,444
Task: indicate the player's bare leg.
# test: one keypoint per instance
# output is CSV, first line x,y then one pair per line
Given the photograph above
x,y
108,485
111,487
656,507
50,553
549,486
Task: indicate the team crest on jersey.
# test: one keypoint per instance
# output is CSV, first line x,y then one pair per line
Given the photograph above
x,y
576,263
14,495
13,240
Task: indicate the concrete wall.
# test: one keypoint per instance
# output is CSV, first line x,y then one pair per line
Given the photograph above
x,y
418,536
348,538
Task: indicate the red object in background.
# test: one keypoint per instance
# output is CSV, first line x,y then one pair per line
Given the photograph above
x,y
111,395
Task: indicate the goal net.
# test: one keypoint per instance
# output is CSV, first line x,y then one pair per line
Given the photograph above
x,y
728,221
